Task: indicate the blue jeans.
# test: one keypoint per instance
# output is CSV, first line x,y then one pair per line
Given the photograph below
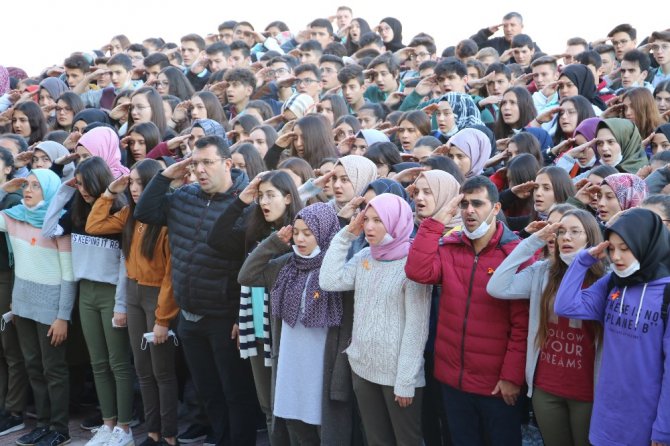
x,y
223,380
475,418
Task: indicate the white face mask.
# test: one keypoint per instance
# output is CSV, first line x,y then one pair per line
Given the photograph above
x,y
569,257
632,269
588,164
481,230
314,253
617,160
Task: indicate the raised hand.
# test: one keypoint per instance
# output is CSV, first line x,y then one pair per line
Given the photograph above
x,y
349,209
547,115
355,227
426,86
120,111
250,192
646,141
449,211
324,179
562,146
119,185
14,184
67,159
430,109
613,111
285,234
524,190
395,98
409,175
600,250
548,232
178,170
23,158
535,226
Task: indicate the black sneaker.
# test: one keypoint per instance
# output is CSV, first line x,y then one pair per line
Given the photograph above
x,y
209,441
54,438
11,423
91,423
150,442
34,436
194,433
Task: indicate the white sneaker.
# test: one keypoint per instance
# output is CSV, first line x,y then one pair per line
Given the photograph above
x,y
101,437
121,438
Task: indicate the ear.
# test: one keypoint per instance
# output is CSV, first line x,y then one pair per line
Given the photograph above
x,y
643,75
228,163
287,199
496,208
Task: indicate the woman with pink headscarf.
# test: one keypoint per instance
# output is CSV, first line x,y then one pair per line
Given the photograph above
x,y
390,319
102,142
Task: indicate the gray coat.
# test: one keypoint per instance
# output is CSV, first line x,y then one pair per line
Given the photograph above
x,y
261,269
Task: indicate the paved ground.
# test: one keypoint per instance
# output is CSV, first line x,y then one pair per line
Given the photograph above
x,y
80,436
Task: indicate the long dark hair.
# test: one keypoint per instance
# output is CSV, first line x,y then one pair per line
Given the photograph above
x,y
36,120
557,269
584,111
74,102
157,111
252,159
259,228
179,84
213,107
527,113
95,177
146,169
317,140
561,184
151,136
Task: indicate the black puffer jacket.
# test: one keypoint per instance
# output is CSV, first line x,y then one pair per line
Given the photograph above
x,y
204,280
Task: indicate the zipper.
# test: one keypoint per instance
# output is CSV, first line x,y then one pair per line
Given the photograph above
x,y
465,321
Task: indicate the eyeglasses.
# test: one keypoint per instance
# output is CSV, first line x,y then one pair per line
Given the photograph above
x,y
421,55
278,72
474,203
661,47
266,198
574,233
306,81
61,109
328,70
33,185
193,165
140,107
620,42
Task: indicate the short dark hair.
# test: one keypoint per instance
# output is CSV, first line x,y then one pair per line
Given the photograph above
x,y
351,72
424,41
544,60
308,67
159,59
481,182
638,56
213,140
322,23
513,15
605,49
242,46
660,35
291,62
466,48
451,65
311,45
386,59
242,75
499,68
427,64
228,24
195,38
158,42
121,59
624,28
277,24
332,59
589,58
244,23
218,47
138,48
521,40
370,37
335,48
18,139
578,41
77,61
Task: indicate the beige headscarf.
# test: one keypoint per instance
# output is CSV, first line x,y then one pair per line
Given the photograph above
x,y
360,170
444,187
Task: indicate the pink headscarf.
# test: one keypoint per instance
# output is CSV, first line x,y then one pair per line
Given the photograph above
x,y
630,190
103,142
4,80
396,215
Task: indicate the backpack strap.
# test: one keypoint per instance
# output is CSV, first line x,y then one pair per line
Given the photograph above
x,y
665,305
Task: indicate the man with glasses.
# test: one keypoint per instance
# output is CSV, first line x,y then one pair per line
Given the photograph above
x,y
204,283
330,65
659,44
623,38
308,80
480,346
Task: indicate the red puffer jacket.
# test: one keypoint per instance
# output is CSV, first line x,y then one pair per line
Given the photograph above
x,y
480,340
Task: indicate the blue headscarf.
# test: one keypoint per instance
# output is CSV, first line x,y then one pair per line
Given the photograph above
x,y
49,182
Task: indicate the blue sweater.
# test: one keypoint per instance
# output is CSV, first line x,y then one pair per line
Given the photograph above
x,y
632,395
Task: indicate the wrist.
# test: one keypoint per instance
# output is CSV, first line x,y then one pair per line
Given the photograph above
x,y
109,191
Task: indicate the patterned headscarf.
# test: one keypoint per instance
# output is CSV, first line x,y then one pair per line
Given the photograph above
x,y
466,111
300,276
4,80
630,190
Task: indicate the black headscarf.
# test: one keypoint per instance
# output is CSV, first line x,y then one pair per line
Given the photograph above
x,y
388,186
649,241
90,115
582,77
395,44
665,129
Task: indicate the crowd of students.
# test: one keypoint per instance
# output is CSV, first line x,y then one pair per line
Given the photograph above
x,y
356,240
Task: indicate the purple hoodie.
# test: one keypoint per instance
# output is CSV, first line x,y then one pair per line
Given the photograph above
x,y
632,395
